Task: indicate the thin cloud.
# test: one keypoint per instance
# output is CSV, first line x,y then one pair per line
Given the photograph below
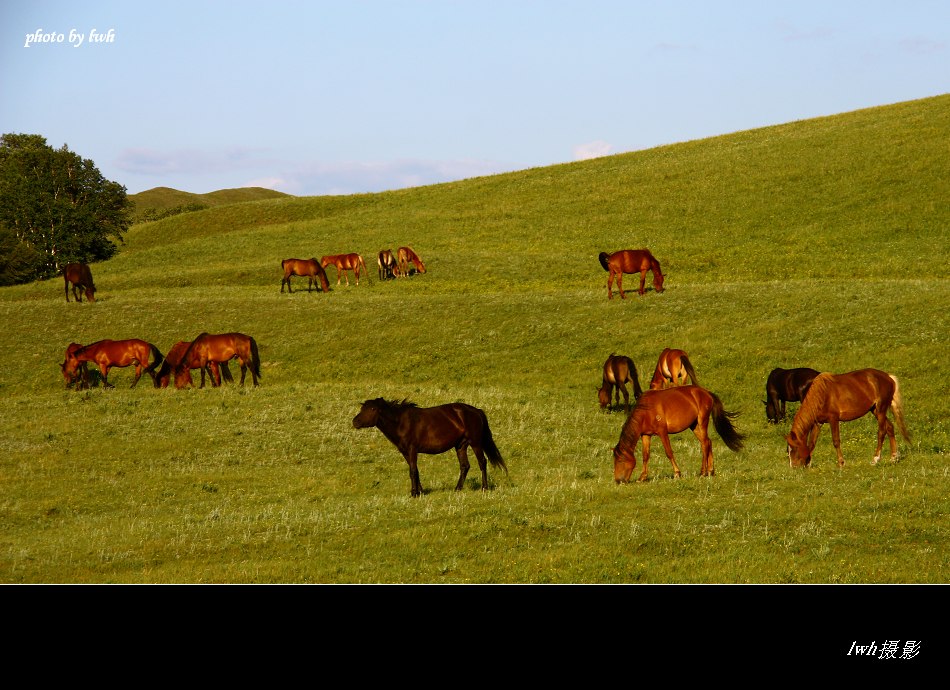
x,y
593,149
143,161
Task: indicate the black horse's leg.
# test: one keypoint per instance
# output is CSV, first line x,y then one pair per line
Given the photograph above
x,y
482,465
464,466
416,485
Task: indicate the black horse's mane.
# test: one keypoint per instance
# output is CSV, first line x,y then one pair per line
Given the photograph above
x,y
394,404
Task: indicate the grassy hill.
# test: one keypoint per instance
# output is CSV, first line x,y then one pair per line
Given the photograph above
x,y
819,243
154,203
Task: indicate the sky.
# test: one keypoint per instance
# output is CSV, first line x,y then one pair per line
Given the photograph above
x,y
350,96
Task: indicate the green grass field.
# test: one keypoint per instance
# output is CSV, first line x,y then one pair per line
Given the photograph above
x,y
821,243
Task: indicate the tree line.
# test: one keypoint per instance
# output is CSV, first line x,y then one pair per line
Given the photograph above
x,y
55,208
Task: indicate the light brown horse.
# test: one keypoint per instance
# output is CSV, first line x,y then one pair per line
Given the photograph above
x,y
309,268
219,348
387,265
80,277
673,368
631,261
173,359
835,398
670,411
344,263
407,256
107,354
433,430
618,371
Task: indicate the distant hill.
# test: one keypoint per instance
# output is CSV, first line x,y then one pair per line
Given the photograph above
x,y
162,202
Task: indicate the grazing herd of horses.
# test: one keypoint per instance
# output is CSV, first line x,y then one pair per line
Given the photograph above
x,y
673,402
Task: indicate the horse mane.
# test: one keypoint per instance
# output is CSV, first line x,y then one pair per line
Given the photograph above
x,y
394,405
184,355
814,402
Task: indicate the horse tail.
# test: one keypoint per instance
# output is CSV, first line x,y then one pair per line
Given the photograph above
x,y
158,359
688,366
637,391
324,283
604,260
488,445
255,362
722,420
897,404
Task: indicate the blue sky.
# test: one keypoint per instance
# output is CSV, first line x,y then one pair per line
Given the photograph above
x,y
346,96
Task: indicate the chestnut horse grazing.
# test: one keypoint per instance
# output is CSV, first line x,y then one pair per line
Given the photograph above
x,y
670,411
673,368
631,261
407,256
785,385
618,371
835,398
433,430
309,268
344,263
387,264
173,359
107,354
80,277
79,376
220,348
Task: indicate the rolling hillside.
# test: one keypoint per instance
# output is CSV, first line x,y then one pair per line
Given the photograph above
x,y
153,202
820,243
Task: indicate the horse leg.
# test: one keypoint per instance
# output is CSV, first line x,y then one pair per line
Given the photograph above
x,y
412,459
626,397
836,439
138,374
464,466
668,448
643,281
243,370
884,429
104,371
620,284
705,443
645,440
482,465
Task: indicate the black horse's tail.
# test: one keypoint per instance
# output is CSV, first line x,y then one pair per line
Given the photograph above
x,y
688,366
491,450
255,362
157,360
604,257
637,391
723,423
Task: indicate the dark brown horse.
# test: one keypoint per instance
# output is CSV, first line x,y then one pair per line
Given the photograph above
x,y
785,385
107,354
835,398
618,371
673,368
407,256
220,348
433,430
173,359
80,277
631,261
308,268
670,411
387,264
344,263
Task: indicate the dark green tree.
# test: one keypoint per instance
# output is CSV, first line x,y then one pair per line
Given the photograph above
x,y
58,204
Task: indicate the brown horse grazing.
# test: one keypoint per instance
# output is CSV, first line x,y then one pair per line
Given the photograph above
x,y
79,376
220,348
406,255
835,398
631,261
80,277
387,264
433,430
344,263
670,411
173,359
309,268
673,368
107,354
618,371
785,385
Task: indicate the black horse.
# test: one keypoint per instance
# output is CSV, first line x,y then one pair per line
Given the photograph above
x,y
786,385
433,430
